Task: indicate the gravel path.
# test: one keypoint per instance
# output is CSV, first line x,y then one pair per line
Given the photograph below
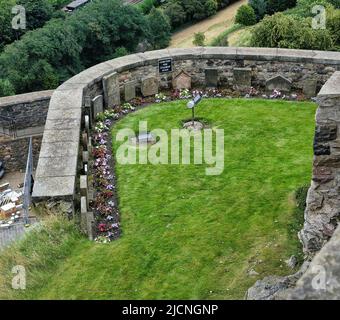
x,y
212,27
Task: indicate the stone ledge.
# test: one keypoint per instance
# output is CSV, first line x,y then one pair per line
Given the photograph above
x,y
54,187
332,86
26,98
62,149
57,167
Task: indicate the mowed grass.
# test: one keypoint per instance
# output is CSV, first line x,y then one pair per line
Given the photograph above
x,y
191,236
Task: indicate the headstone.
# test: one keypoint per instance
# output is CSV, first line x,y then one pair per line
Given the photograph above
x,y
85,141
111,89
84,189
150,86
309,88
88,109
83,213
181,81
211,78
130,91
87,101
85,156
278,83
242,78
87,124
98,105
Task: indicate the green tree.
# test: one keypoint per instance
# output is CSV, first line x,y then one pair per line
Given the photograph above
x,y
246,15
6,88
43,58
333,25
335,3
199,39
279,5
160,29
260,8
285,31
37,12
147,5
175,12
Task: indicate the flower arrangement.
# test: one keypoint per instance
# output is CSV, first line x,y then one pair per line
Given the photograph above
x,y
104,204
160,97
276,94
184,94
128,107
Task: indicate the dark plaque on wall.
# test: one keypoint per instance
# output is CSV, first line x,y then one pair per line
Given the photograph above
x,y
165,65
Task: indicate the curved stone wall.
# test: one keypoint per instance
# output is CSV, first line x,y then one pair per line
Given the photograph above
x,y
120,79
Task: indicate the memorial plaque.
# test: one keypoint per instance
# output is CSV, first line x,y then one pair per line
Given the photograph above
x,y
211,78
165,65
278,83
111,90
150,86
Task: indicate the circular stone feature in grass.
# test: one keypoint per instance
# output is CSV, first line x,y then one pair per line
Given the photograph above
x,y
193,125
143,139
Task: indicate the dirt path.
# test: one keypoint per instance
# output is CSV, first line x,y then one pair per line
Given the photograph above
x,y
212,27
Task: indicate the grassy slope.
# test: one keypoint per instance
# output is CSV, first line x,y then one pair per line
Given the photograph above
x,y
190,236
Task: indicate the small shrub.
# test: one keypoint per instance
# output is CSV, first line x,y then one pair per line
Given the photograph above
x,y
6,88
246,15
335,3
199,39
260,8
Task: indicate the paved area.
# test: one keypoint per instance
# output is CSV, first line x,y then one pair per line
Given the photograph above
x,y
14,179
17,230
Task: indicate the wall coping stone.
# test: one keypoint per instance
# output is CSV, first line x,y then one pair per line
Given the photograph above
x,y
26,98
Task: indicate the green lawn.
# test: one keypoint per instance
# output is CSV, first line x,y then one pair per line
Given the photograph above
x,y
191,236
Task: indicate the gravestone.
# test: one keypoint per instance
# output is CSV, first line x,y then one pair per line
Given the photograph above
x,y
280,83
111,89
88,108
87,124
150,86
98,105
309,88
242,78
85,157
181,81
130,91
211,78
83,213
85,141
84,189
